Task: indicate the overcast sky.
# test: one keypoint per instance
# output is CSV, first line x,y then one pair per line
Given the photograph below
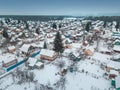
x,y
59,7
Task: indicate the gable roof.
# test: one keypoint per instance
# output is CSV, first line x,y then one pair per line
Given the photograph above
x,y
25,48
46,52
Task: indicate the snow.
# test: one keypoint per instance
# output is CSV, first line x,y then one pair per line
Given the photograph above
x,y
47,74
101,57
7,57
39,64
114,72
46,52
117,79
11,47
114,64
25,48
87,74
116,47
85,82
32,61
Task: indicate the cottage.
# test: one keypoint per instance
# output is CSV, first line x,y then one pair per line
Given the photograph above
x,y
11,49
25,48
48,54
28,49
8,60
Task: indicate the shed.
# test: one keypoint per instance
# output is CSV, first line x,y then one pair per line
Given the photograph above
x,y
39,65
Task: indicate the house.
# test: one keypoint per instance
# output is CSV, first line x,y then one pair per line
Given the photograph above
x,y
31,63
28,49
24,49
39,65
116,48
89,51
11,49
113,74
117,42
116,57
113,65
117,83
67,43
48,54
8,60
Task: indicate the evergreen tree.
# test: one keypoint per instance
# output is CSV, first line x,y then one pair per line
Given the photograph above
x,y
54,26
60,26
105,23
5,34
37,31
27,26
117,25
58,45
45,45
87,28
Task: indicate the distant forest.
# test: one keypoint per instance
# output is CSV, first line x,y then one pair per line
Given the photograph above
x,y
33,18
105,18
50,17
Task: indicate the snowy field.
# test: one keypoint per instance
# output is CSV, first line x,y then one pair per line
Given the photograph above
x,y
88,76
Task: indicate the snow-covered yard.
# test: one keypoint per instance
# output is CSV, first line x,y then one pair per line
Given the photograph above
x,y
89,76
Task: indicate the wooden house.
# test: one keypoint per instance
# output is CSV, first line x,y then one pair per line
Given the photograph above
x,y
8,60
113,65
49,55
113,74
28,49
11,49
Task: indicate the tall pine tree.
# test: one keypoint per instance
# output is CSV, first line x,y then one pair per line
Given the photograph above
x,y
88,26
117,26
58,45
54,26
105,23
45,45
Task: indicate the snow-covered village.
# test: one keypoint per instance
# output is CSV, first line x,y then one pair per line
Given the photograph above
x,y
59,45
73,53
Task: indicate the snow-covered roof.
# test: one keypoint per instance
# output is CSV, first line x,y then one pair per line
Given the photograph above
x,y
101,57
117,56
114,64
32,61
11,47
25,48
91,48
114,72
46,52
39,64
117,81
7,57
76,45
116,48
104,49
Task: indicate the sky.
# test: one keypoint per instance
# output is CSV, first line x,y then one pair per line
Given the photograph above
x,y
59,7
